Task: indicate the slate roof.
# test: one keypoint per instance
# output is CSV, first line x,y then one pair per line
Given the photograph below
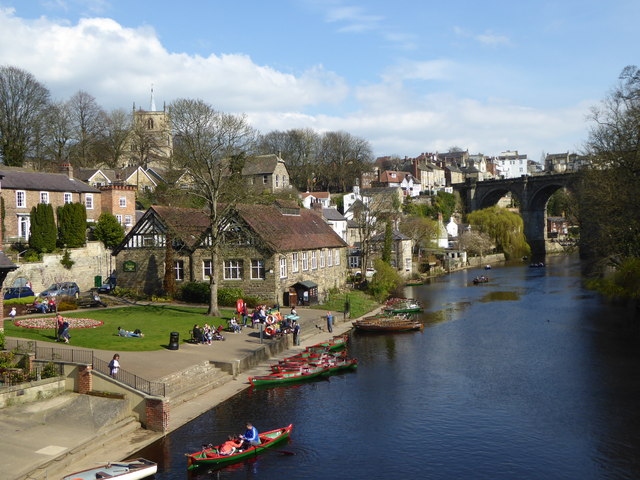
x,y
50,182
260,165
332,214
188,223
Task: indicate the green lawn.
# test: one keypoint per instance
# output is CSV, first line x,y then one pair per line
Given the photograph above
x,y
156,322
361,303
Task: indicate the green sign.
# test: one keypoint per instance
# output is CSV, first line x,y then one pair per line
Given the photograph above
x,y
129,266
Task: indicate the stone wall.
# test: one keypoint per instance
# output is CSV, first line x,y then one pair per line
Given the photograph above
x,y
90,261
31,392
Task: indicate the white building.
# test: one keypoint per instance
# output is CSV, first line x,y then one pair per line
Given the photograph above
x,y
512,164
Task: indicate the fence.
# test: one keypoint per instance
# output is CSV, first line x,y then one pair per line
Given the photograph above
x,y
87,357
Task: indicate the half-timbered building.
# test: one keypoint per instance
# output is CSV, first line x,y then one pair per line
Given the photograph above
x,y
279,253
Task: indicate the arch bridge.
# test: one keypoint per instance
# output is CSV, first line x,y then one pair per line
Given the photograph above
x,y
531,192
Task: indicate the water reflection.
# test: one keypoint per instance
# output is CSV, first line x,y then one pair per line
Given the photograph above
x,y
500,297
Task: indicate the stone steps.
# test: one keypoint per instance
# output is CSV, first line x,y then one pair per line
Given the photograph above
x,y
194,381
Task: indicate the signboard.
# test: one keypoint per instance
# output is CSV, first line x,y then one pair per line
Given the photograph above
x,y
129,266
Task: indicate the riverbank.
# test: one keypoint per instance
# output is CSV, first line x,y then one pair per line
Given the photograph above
x,y
51,438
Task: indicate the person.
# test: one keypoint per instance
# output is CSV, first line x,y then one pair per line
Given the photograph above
x,y
114,365
124,333
198,337
51,305
59,327
64,334
294,311
40,306
207,333
245,315
296,333
251,437
230,446
233,323
13,313
329,322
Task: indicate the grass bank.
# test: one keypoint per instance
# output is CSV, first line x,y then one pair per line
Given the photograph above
x,y
360,303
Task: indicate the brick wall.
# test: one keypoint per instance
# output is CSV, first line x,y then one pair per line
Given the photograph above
x,y
157,415
120,201
85,379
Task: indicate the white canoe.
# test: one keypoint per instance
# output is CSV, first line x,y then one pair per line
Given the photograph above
x,y
129,470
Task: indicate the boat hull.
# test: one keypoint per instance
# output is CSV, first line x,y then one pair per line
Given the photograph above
x,y
128,470
209,457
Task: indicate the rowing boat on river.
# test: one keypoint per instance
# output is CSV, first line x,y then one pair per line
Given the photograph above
x,y
128,470
210,456
387,325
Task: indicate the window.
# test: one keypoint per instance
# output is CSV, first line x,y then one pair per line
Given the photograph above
x,y
233,270
336,256
178,268
88,201
283,267
128,220
277,180
206,269
257,270
305,261
284,180
321,258
119,218
407,264
354,261
265,179
294,262
68,198
314,260
123,202
329,258
44,197
21,199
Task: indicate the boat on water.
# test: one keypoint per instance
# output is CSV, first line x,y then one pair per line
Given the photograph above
x,y
332,365
387,325
481,279
334,344
305,372
404,307
210,456
128,470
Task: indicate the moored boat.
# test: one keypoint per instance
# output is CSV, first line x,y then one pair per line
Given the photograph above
x,y
305,372
387,325
334,344
403,307
128,470
210,456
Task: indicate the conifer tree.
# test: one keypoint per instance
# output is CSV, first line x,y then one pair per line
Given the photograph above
x,y
42,237
72,225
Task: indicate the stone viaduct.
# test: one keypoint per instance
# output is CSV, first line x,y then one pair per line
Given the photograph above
x,y
531,192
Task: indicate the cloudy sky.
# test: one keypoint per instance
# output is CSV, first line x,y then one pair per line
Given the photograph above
x,y
409,76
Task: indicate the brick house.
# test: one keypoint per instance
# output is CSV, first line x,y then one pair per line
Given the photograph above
x,y
22,190
120,201
280,253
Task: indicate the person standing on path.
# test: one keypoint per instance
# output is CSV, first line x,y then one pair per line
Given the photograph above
x,y
114,366
296,333
329,322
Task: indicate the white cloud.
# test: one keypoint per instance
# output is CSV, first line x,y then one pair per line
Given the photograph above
x,y
488,38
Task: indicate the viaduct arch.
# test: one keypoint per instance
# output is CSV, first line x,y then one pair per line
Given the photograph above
x,y
532,192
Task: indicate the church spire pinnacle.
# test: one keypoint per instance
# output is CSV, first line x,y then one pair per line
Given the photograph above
x,y
152,107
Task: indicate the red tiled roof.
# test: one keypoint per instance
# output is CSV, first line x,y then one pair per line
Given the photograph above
x,y
315,194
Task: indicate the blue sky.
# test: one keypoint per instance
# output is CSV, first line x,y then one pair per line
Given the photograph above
x,y
409,76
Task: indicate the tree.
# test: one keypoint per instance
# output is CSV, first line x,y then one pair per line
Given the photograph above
x,y
387,247
58,133
211,145
72,225
23,101
342,159
42,237
421,230
87,121
475,242
609,190
115,137
169,280
505,228
384,281
109,231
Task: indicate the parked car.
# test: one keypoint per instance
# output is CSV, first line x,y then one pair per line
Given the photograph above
x,y
108,286
63,289
18,292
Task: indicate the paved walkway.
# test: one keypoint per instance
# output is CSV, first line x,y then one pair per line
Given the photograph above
x,y
36,433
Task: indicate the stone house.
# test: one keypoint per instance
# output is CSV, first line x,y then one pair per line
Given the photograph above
x,y
280,253
431,177
267,173
100,177
22,190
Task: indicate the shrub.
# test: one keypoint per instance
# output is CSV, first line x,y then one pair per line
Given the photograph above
x,y
384,281
66,260
227,296
67,304
50,370
195,292
20,301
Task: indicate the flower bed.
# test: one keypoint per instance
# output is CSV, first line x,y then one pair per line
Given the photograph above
x,y
50,322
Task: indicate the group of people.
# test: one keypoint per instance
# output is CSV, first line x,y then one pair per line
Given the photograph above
x,y
125,333
239,443
45,305
206,334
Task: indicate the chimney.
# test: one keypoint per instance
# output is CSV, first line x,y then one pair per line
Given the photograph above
x,y
66,169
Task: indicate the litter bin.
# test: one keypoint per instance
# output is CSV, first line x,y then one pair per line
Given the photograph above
x,y
174,341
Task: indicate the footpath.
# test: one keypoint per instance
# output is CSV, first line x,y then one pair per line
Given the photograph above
x,y
37,436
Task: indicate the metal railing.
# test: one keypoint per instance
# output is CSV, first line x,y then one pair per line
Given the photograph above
x,y
86,357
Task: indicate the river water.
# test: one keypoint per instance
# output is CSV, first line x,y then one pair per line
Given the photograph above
x,y
526,377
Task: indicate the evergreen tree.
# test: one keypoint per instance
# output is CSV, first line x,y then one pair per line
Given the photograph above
x,y
109,231
388,244
42,237
72,225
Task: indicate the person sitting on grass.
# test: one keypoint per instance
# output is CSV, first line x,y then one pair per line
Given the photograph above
x,y
124,333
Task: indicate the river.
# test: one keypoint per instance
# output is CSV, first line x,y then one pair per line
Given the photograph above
x,y
528,376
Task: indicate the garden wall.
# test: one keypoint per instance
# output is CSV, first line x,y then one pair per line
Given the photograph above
x,y
31,392
90,261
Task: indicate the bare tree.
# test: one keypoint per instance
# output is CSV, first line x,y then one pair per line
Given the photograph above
x,y
23,101
115,136
211,146
58,133
342,159
87,120
475,242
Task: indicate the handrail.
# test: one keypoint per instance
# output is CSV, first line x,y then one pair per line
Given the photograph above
x,y
86,357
